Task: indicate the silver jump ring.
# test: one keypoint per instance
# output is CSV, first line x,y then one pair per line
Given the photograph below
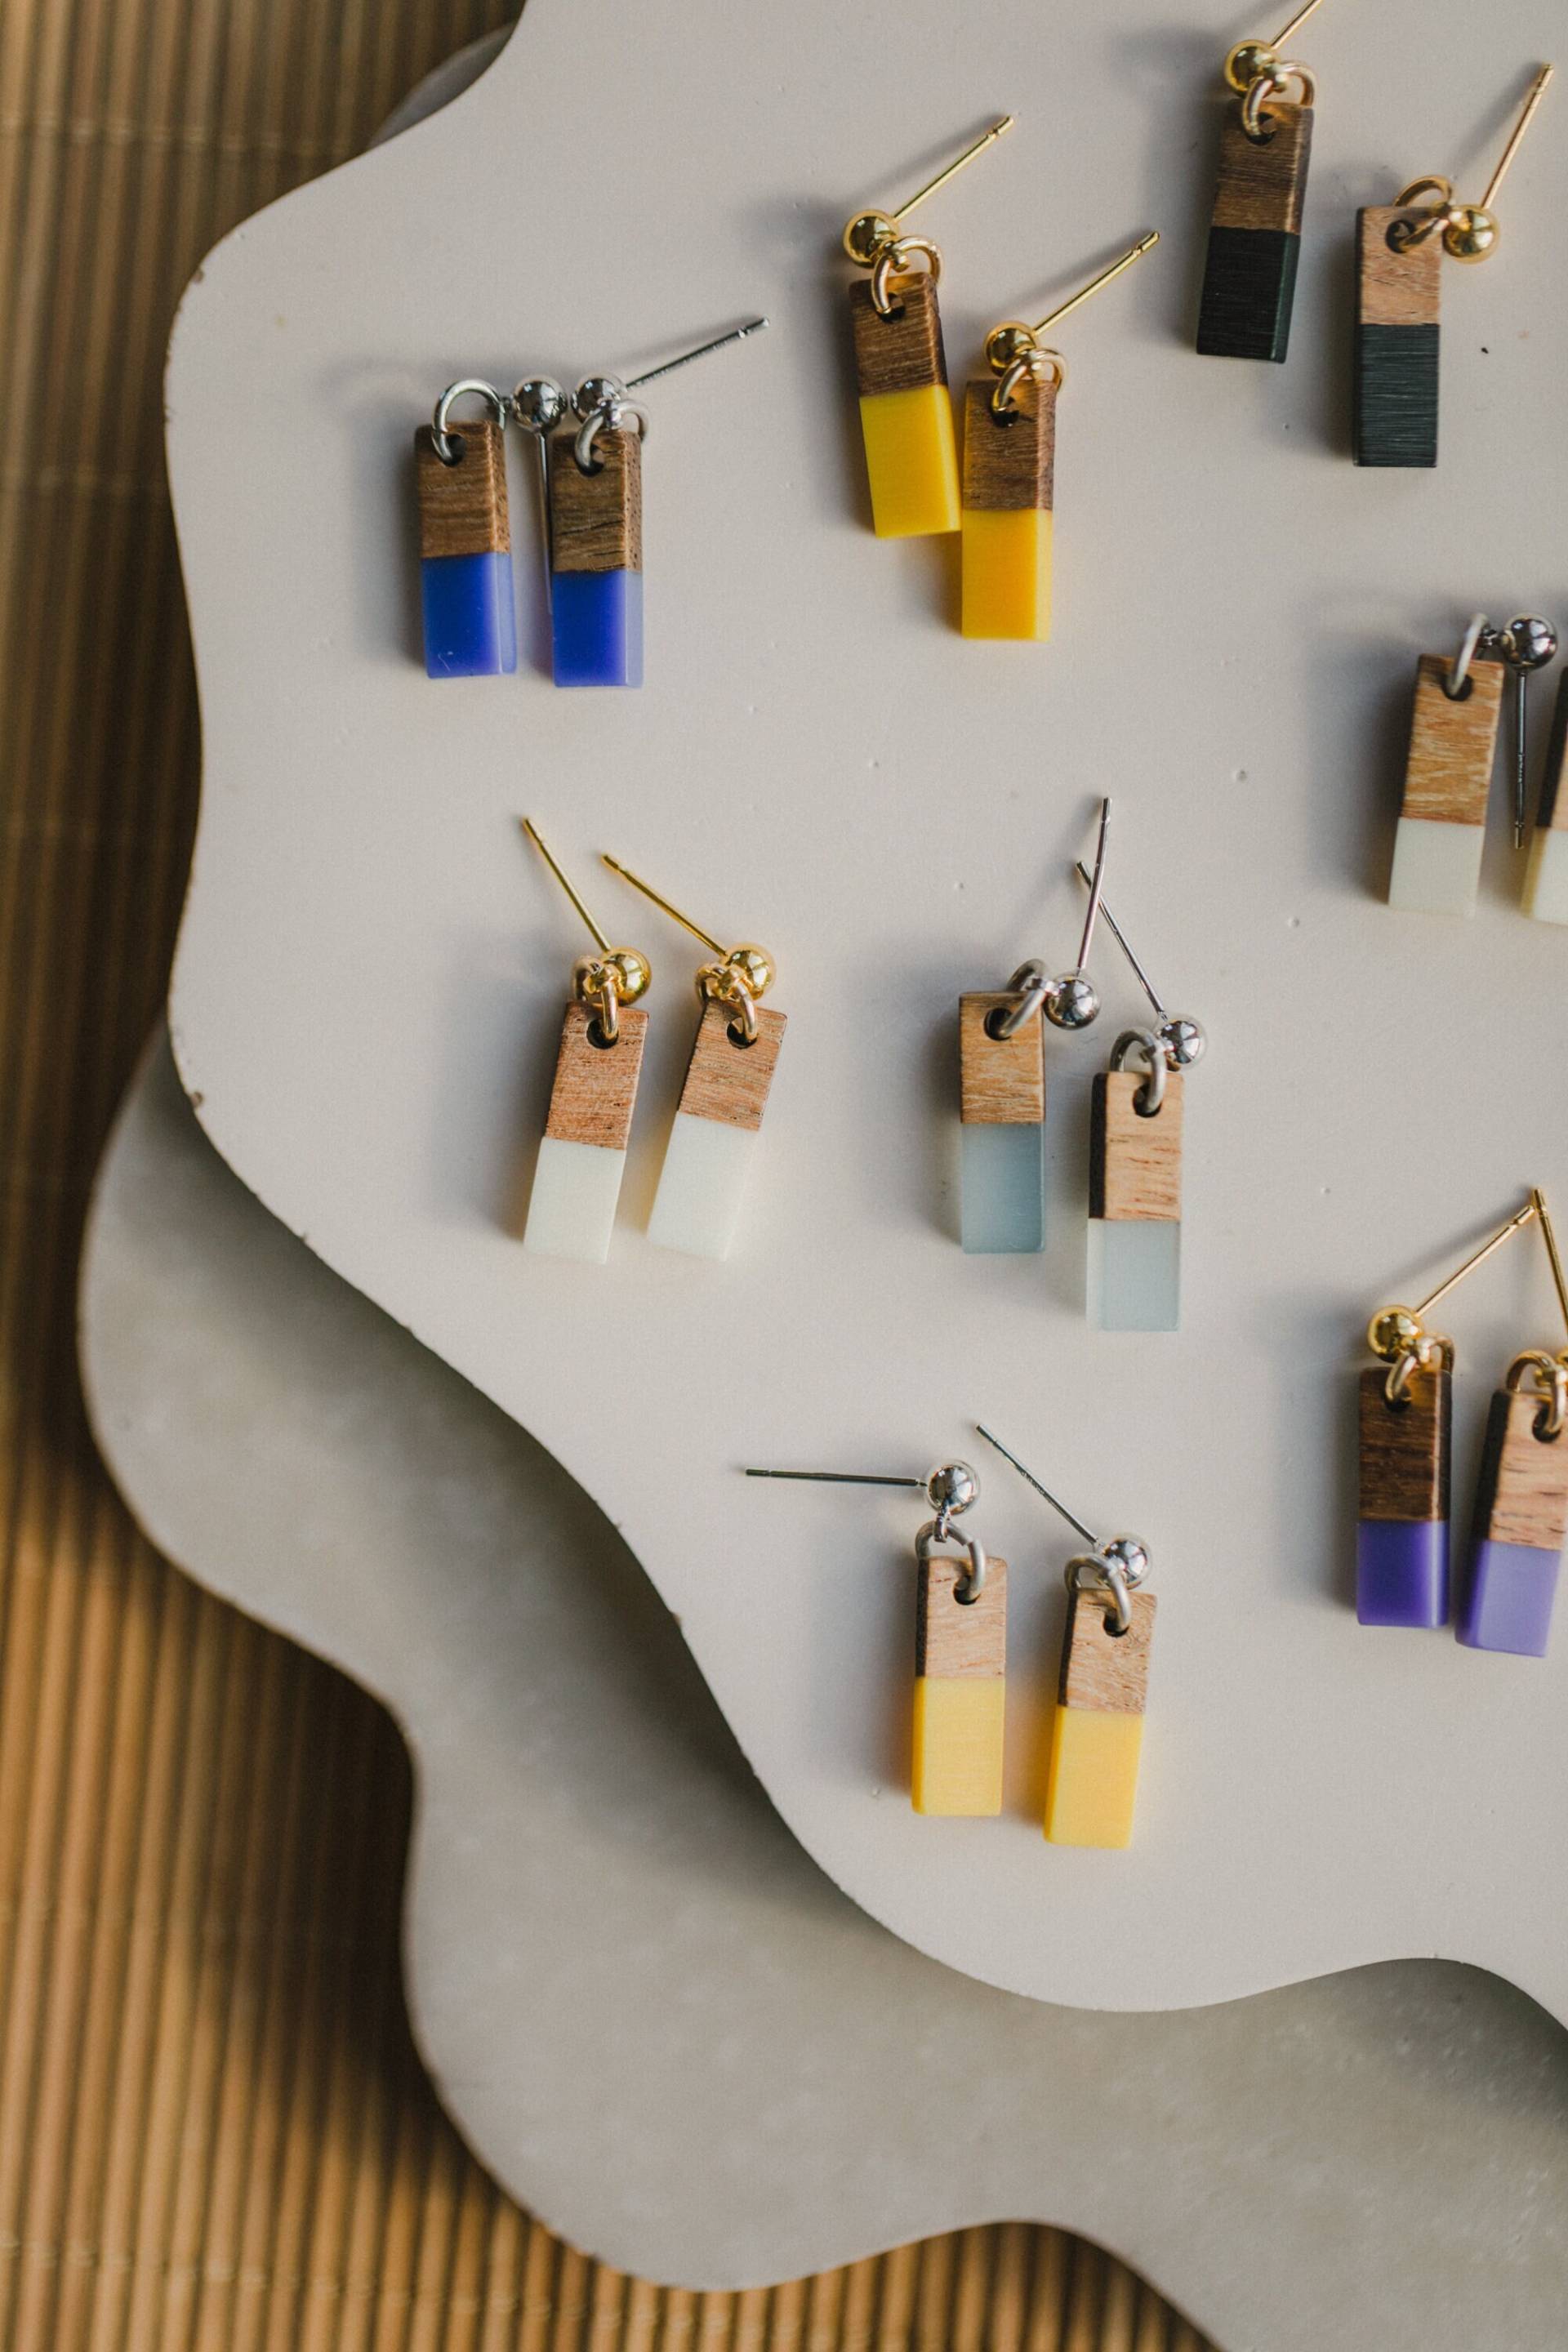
x,y
609,1013
448,448
1109,1577
1469,645
972,1586
613,414
894,261
1030,367
1030,984
1148,1100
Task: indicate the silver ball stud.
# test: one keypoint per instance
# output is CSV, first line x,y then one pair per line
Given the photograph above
x,y
1128,1554
1071,1001
597,391
1532,642
539,404
1185,1042
952,1487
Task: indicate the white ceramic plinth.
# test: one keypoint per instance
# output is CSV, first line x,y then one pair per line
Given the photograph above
x,y
702,1186
820,761
1134,1273
1436,868
1546,882
572,1208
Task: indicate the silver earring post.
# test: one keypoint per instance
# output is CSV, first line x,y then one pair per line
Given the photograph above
x,y
1114,1566
950,1488
1185,1039
1071,1001
719,343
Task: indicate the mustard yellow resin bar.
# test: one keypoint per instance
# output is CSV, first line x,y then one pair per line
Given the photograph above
x,y
906,413
1009,465
960,1690
1097,1731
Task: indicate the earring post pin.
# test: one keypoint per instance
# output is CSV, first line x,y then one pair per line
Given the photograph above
x,y
673,912
1056,1505
1134,253
1120,935
950,171
1477,1256
1092,917
1296,21
667,367
835,1477
1537,92
1538,1199
600,941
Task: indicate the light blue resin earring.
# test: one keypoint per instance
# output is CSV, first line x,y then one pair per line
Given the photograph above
x,y
1002,1092
590,500
1135,1166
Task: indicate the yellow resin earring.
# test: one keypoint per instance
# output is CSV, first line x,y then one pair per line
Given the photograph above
x,y
906,415
1009,472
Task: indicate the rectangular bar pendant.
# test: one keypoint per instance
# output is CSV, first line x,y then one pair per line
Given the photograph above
x,y
960,1690
1401,1529
1399,293
1447,782
906,414
1135,1207
1002,1168
714,1137
1249,279
577,1181
465,554
1009,469
1546,877
1097,1731
1521,1516
596,561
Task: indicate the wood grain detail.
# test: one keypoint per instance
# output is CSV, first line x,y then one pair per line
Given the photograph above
x,y
903,352
595,519
1396,288
1523,1493
1453,745
1001,1080
961,1641
1102,1673
595,1087
729,1083
1134,1164
1009,463
1262,186
1403,1450
1554,811
462,507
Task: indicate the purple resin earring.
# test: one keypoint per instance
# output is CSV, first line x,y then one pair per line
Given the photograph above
x,y
1402,1537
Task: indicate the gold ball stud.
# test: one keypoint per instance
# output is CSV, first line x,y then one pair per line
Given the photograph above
x,y
1008,342
1471,233
866,235
1247,62
753,967
631,974
1393,1332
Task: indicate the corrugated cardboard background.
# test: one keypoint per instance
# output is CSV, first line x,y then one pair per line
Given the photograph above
x,y
214,2129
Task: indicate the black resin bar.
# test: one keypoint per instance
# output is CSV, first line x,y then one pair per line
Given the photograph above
x,y
1249,286
1396,395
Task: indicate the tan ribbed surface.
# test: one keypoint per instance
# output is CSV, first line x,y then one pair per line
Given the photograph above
x,y
214,2131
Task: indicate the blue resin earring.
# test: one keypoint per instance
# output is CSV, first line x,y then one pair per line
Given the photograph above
x,y
465,540
591,494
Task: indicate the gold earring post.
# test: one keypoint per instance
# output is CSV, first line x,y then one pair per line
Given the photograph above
x,y
868,233
1135,253
1296,21
1477,1257
950,171
675,914
1537,92
1539,1198
599,940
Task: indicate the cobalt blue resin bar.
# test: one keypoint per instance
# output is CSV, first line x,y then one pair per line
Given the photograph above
x,y
1521,1513
465,548
1402,1537
595,559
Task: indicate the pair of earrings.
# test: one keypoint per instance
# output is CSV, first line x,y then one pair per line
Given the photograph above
x,y
1454,726
1135,1129
1003,501
961,1664
1255,241
1522,1500
583,1155
590,487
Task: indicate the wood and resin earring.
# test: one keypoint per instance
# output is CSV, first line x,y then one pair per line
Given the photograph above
x,y
1001,1091
1546,877
961,1646
583,1155
1135,1166
1255,242
1009,473
906,415
1102,1688
1453,748
465,538
708,1158
1404,1417
1399,270
1521,1501
592,495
